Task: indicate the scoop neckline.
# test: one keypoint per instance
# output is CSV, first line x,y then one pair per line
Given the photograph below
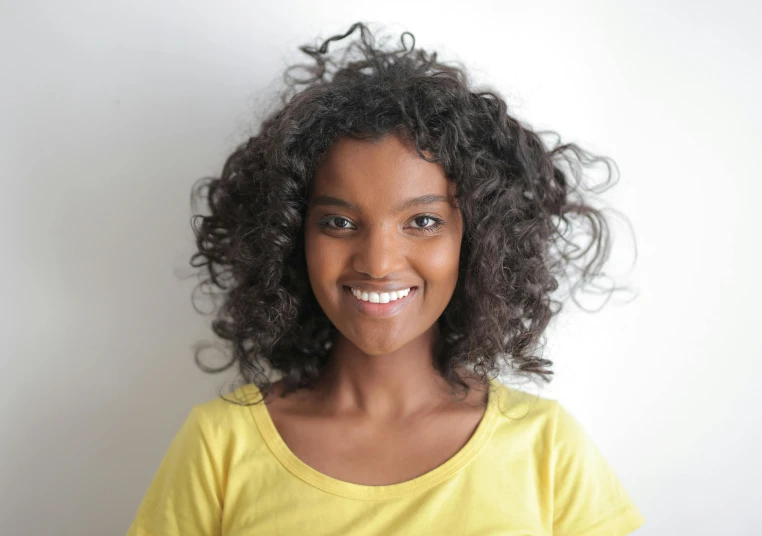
x,y
312,476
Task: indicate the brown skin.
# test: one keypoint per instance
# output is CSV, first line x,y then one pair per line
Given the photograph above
x,y
380,412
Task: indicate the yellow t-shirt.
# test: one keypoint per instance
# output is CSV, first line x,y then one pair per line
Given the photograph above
x,y
528,469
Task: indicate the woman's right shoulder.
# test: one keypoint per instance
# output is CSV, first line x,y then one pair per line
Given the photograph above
x,y
229,414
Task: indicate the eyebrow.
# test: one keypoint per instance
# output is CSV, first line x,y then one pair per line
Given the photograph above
x,y
428,199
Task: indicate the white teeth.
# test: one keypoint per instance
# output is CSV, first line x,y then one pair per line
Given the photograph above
x,y
379,297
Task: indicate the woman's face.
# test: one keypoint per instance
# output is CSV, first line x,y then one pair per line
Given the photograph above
x,y
380,218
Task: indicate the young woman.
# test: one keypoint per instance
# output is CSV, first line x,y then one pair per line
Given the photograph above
x,y
387,246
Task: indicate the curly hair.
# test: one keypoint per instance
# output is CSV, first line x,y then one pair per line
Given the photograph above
x,y
521,202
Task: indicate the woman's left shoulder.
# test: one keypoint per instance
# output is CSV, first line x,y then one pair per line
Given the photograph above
x,y
588,497
516,404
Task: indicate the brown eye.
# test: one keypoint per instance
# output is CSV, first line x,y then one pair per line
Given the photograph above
x,y
427,223
339,222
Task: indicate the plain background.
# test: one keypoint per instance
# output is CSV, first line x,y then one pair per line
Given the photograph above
x,y
111,110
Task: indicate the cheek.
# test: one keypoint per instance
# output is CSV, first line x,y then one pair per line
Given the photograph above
x,y
322,260
438,264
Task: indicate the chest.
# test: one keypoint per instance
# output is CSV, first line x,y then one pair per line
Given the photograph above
x,y
376,455
499,492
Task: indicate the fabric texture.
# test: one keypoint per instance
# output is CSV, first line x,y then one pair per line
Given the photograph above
x,y
528,469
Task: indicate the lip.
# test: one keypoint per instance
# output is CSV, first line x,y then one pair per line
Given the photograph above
x,y
379,310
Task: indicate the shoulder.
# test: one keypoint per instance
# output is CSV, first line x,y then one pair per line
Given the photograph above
x,y
518,406
227,415
587,496
525,426
187,493
540,425
544,420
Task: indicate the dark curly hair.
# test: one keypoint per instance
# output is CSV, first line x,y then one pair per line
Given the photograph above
x,y
521,202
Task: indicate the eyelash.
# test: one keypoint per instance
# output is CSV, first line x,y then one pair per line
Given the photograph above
x,y
438,223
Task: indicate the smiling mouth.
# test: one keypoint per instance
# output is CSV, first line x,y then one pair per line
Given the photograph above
x,y
378,309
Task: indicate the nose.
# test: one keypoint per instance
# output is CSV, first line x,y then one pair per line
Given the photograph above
x,y
380,252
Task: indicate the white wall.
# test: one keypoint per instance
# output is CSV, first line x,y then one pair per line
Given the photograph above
x,y
110,111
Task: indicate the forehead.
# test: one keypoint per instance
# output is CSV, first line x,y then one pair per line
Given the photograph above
x,y
386,168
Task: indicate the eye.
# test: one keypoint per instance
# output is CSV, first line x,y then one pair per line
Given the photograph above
x,y
339,222
427,223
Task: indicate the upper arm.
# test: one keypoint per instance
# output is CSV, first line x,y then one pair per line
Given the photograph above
x,y
589,499
185,496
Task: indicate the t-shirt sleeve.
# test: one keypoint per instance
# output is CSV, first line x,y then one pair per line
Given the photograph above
x,y
186,495
588,498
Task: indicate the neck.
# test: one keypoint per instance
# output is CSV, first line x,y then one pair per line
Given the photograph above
x,y
393,386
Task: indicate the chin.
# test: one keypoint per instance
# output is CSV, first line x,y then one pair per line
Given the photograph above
x,y
378,343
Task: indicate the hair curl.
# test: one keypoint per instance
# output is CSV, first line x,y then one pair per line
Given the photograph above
x,y
521,202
